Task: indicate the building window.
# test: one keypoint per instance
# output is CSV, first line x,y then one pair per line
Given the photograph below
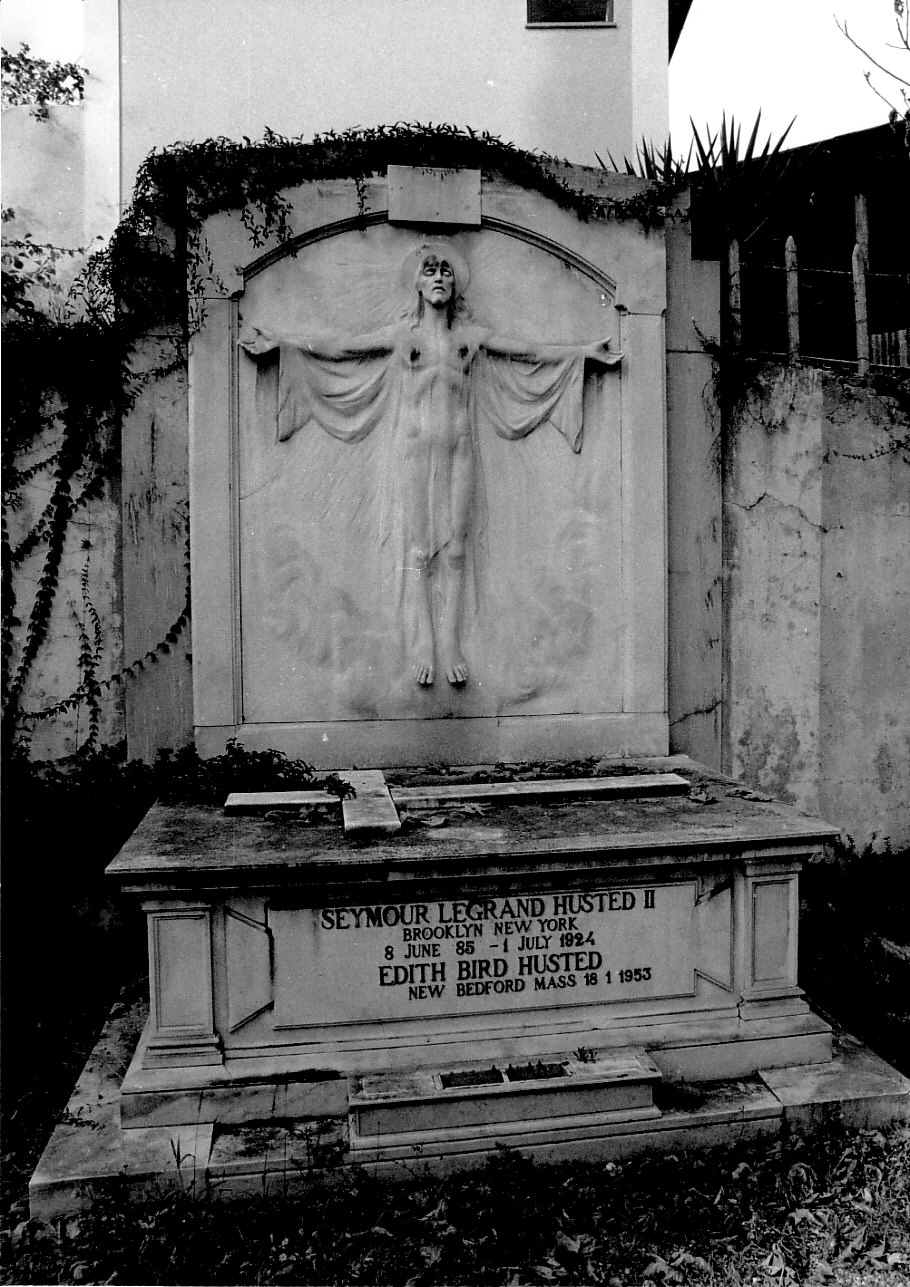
x,y
570,13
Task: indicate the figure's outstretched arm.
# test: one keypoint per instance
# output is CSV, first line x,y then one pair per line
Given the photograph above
x,y
528,351
331,348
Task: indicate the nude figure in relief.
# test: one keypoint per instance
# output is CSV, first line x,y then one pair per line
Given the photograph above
x,y
432,379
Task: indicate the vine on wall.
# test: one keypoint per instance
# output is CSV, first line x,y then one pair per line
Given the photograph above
x,y
39,82
69,359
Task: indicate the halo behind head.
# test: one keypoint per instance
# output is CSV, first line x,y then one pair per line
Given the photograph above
x,y
442,250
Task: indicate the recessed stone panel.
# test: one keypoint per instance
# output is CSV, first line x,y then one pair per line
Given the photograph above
x,y
249,968
330,619
181,963
430,194
714,903
773,940
443,957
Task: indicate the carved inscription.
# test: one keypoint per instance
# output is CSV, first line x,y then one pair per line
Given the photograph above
x,y
404,960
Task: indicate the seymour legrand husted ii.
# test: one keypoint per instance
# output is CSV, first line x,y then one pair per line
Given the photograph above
x,y
539,945
596,945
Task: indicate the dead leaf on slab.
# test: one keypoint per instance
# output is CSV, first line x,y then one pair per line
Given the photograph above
x,y
411,820
746,793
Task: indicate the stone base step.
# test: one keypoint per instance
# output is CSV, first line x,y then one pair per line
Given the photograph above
x,y
467,1096
90,1156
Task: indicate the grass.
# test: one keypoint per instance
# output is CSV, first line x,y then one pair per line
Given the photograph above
x,y
835,1209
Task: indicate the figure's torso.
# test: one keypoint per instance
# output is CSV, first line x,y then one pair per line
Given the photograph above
x,y
435,384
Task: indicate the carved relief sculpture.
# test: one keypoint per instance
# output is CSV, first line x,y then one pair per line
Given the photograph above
x,y
433,381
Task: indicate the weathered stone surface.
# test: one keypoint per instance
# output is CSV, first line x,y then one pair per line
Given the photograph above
x,y
177,847
89,1156
369,811
410,796
643,784
817,537
612,1083
481,953
425,194
386,605
856,1086
525,925
274,1156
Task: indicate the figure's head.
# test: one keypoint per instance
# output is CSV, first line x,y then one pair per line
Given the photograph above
x,y
435,280
437,275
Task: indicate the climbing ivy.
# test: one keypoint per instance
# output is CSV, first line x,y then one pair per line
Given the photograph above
x,y
68,383
157,247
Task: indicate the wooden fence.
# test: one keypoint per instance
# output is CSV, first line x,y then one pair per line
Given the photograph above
x,y
891,348
837,288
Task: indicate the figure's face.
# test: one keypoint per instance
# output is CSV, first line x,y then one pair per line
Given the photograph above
x,y
436,281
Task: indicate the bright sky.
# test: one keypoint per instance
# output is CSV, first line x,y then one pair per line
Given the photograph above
x,y
786,57
52,28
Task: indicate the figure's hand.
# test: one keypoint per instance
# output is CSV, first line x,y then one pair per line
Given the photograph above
x,y
261,342
599,352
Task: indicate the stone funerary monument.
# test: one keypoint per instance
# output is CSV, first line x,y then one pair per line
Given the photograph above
x,y
386,490
428,471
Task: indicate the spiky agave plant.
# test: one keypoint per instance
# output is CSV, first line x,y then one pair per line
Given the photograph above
x,y
735,184
739,187
652,162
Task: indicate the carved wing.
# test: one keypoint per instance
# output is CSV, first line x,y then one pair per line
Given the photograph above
x,y
514,397
346,399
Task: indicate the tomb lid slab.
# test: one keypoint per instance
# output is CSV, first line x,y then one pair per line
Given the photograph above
x,y
180,846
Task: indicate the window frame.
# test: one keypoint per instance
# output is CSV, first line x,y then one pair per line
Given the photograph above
x,y
609,19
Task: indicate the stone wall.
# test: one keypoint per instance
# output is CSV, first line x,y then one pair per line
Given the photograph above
x,y
43,162
817,547
43,173
788,583
155,511
694,553
865,659
88,586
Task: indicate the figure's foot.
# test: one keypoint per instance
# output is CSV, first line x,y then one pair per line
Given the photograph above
x,y
455,668
424,669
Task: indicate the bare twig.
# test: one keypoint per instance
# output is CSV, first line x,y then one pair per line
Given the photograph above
x,y
842,27
887,101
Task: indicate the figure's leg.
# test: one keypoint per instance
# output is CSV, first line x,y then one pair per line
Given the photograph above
x,y
417,606
453,562
417,573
